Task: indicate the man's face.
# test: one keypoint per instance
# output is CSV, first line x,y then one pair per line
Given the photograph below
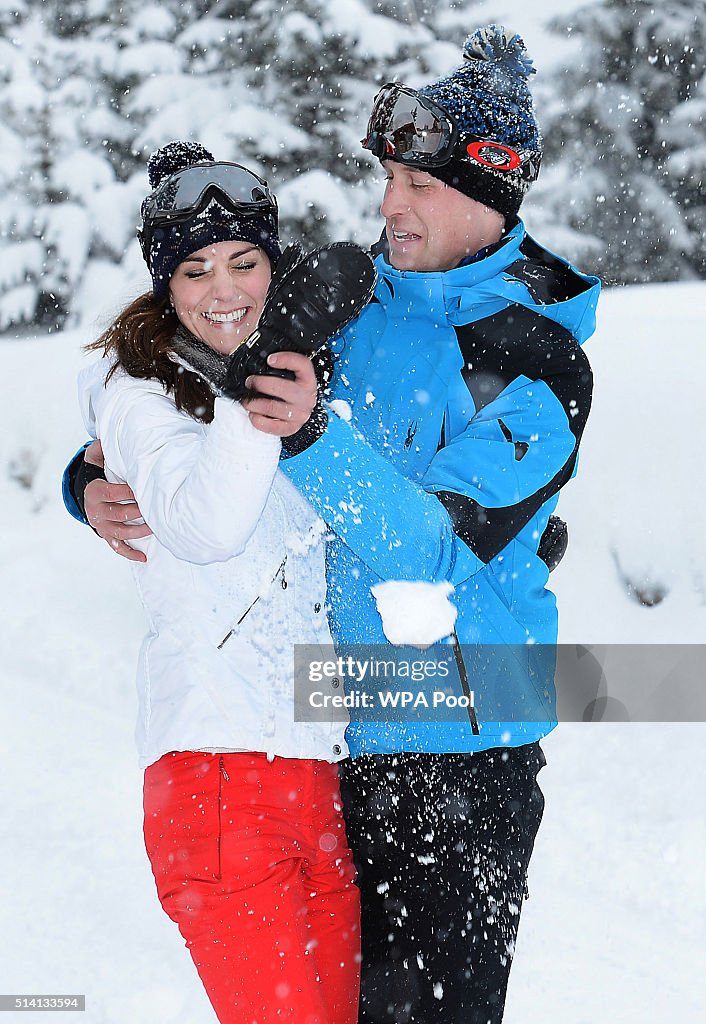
x,y
431,226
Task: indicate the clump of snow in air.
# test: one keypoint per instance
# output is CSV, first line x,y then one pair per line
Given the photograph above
x,y
342,409
415,613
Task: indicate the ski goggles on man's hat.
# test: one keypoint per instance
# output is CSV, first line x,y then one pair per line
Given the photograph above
x,y
188,192
413,130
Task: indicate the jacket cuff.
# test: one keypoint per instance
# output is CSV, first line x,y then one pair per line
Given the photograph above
x,y
77,476
312,430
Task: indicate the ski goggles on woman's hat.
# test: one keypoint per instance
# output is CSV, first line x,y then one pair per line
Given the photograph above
x,y
188,192
413,130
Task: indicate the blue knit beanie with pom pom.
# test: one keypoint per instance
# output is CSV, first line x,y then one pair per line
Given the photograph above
x,y
170,245
488,97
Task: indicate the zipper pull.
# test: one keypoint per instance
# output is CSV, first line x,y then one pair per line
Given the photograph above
x,y
224,773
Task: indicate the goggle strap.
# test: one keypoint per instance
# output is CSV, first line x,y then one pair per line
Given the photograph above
x,y
380,139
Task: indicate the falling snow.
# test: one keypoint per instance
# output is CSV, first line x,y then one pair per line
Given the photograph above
x,y
619,858
616,792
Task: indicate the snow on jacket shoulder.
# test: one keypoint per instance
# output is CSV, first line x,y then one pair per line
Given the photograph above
x,y
234,574
467,394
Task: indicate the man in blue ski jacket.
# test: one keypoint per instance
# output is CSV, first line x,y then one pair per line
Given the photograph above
x,y
466,393
462,393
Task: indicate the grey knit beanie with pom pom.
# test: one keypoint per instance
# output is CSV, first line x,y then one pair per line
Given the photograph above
x,y
488,97
169,245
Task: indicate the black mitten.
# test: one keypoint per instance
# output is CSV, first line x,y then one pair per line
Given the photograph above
x,y
196,356
311,297
553,542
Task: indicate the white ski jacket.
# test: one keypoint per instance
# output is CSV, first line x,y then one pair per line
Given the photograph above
x,y
234,574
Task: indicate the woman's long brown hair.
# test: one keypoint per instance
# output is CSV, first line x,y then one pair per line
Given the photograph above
x,y
140,339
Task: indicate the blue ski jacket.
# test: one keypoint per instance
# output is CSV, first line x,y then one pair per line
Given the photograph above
x,y
466,393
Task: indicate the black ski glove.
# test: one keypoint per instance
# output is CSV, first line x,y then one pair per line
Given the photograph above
x,y
553,542
311,297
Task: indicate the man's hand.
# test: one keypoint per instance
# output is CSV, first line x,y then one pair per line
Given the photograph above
x,y
110,508
282,406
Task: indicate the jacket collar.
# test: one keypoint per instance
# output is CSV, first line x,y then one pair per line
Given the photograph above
x,y
482,287
444,290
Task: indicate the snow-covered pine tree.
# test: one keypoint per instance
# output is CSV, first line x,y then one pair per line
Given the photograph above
x,y
313,69
683,133
91,87
31,272
287,87
68,141
617,190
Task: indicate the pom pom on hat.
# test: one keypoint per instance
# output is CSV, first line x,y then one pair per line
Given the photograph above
x,y
207,225
488,97
173,157
495,43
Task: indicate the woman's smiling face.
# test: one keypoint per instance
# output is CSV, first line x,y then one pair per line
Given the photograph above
x,y
218,292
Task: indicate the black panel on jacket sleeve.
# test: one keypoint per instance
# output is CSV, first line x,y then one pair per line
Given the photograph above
x,y
488,530
517,342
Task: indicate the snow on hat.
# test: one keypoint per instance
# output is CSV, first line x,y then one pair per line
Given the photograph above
x,y
488,97
171,245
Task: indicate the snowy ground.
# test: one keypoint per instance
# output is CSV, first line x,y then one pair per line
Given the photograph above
x,y
613,931
614,927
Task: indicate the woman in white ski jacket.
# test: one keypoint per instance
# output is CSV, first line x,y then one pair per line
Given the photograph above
x,y
243,822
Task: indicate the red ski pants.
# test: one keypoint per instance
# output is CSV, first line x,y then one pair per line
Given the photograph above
x,y
251,861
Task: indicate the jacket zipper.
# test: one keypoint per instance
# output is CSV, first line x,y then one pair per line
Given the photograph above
x,y
461,665
458,653
223,774
283,584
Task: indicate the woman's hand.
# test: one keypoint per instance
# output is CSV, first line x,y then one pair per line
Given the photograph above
x,y
109,510
282,406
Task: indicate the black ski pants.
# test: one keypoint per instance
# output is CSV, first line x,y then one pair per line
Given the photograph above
x,y
442,843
